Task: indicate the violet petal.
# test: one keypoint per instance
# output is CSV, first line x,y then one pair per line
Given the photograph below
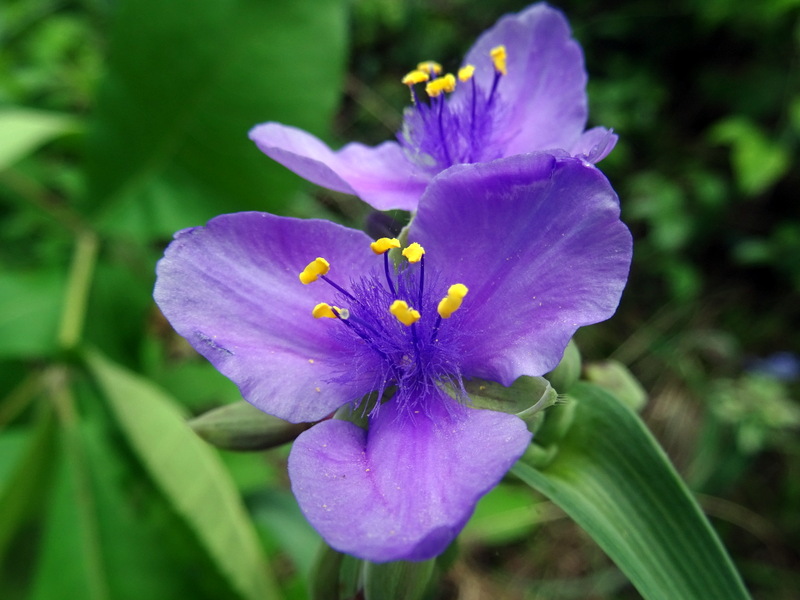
x,y
538,241
231,289
380,176
544,92
405,489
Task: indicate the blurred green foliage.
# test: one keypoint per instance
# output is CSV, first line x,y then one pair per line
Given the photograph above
x,y
121,122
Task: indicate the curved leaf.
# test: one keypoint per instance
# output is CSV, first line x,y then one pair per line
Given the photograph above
x,y
25,129
190,475
613,479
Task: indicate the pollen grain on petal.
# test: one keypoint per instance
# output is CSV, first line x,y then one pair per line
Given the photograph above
x,y
414,252
498,54
318,266
404,313
450,304
383,245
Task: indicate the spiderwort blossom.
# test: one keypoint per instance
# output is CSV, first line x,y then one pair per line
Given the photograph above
x,y
505,261
521,89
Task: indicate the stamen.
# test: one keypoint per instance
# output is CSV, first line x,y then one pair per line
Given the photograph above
x,y
404,313
314,270
437,87
498,55
413,77
450,304
324,311
384,245
466,72
430,67
442,136
338,287
413,252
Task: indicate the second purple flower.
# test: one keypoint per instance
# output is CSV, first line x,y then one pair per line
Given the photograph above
x,y
520,89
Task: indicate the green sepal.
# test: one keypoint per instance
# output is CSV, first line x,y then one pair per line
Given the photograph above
x,y
527,397
335,576
568,370
242,427
617,379
358,414
400,580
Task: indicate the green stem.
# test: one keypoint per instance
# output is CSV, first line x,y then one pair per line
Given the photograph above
x,y
79,283
90,543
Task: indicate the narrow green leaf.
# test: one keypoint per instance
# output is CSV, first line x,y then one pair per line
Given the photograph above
x,y
25,129
23,492
70,564
613,479
506,514
186,80
190,475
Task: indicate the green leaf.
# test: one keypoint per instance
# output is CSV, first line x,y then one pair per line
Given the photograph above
x,y
71,563
23,491
617,379
613,479
30,306
186,81
190,475
25,129
506,514
758,161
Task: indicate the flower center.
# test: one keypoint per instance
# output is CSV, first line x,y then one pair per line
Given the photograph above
x,y
393,321
440,133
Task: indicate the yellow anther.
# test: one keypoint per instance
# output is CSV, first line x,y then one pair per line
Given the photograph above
x,y
324,311
415,77
404,313
442,84
414,252
430,67
498,55
318,266
466,72
450,304
383,245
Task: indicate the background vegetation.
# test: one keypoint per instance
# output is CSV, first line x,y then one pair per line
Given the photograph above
x,y
121,122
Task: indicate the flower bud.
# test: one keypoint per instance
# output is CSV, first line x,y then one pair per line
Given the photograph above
x,y
568,370
242,427
617,379
527,397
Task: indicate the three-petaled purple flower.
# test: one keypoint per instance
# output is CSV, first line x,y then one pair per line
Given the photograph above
x,y
505,260
521,89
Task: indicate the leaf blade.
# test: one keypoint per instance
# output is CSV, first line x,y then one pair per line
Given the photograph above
x,y
613,479
190,474
169,147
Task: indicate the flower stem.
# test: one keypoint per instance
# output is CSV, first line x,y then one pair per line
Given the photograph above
x,y
79,283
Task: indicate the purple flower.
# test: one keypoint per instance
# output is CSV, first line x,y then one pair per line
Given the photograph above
x,y
522,89
505,261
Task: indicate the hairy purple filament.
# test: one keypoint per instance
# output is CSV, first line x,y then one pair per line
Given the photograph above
x,y
413,358
441,132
